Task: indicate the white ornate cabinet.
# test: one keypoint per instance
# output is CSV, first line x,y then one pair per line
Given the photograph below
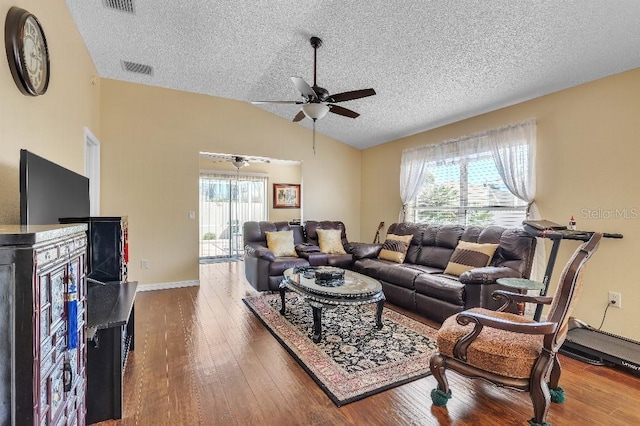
x,y
42,271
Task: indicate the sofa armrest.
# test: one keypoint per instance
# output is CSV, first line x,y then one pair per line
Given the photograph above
x,y
488,275
364,250
259,251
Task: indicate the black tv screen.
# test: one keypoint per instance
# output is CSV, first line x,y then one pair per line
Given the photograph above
x,y
49,192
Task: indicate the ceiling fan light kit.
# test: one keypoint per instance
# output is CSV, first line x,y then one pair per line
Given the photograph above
x,y
315,111
239,162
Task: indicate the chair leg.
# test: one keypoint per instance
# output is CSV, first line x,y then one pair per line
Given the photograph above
x,y
556,370
442,393
556,392
540,397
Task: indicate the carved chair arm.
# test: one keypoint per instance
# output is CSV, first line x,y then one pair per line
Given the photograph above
x,y
510,297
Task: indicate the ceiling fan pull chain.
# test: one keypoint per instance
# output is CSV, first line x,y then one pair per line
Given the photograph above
x,y
314,138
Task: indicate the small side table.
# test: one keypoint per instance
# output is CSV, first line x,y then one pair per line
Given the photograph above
x,y
521,284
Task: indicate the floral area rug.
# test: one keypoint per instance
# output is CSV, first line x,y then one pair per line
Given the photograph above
x,y
354,359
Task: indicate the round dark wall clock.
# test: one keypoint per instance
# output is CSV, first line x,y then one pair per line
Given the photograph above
x,y
27,52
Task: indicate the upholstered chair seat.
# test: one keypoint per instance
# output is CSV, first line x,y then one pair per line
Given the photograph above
x,y
501,352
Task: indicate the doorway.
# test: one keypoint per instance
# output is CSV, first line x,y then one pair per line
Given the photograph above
x,y
227,200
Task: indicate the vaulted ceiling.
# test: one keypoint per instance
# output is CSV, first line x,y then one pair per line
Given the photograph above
x,y
430,62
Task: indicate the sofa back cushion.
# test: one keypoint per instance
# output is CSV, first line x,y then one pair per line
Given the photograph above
x,y
438,244
516,251
311,230
408,228
491,235
254,232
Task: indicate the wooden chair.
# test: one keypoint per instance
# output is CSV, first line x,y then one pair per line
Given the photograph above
x,y
508,349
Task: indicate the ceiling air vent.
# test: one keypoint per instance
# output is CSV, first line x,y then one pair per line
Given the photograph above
x,y
137,68
121,5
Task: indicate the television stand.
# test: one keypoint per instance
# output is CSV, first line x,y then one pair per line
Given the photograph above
x,y
110,337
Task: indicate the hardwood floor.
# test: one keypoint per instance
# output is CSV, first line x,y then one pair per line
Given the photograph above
x,y
202,357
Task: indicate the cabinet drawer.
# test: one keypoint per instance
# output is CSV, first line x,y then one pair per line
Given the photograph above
x,y
46,255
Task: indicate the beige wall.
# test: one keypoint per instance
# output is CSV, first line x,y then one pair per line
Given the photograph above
x,y
277,172
151,139
587,165
51,125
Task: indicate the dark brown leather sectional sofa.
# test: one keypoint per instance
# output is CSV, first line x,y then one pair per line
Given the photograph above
x,y
419,284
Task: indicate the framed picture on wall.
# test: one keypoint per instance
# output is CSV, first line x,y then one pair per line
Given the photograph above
x,y
286,196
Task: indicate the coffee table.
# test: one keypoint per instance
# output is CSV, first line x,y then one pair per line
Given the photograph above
x,y
357,289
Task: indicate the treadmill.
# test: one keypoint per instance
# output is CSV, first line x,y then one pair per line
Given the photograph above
x,y
584,342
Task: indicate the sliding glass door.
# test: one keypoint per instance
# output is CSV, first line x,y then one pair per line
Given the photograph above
x,y
227,200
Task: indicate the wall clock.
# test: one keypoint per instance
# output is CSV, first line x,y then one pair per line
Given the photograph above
x,y
27,52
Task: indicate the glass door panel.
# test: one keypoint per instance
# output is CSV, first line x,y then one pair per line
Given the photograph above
x,y
226,202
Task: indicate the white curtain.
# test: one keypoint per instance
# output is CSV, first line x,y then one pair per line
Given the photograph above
x,y
413,167
514,153
513,148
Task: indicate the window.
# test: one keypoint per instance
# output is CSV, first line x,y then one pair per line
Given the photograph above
x,y
483,179
466,190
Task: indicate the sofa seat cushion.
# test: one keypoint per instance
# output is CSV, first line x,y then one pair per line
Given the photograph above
x,y
399,275
443,287
372,267
281,264
423,269
501,352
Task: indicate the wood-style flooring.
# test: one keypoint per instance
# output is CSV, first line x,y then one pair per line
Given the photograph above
x,y
202,358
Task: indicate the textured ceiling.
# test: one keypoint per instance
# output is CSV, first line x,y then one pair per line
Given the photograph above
x,y
430,62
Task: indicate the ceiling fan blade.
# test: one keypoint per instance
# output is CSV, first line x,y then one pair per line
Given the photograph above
x,y
304,88
343,111
348,96
299,116
276,102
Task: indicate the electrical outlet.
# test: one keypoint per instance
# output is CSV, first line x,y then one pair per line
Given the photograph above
x,y
144,264
615,299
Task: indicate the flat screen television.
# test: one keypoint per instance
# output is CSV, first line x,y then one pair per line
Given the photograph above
x,y
49,192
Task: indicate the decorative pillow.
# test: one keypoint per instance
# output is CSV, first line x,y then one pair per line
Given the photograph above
x,y
395,247
467,256
281,243
330,241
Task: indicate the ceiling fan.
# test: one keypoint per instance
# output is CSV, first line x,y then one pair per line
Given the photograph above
x,y
317,101
238,161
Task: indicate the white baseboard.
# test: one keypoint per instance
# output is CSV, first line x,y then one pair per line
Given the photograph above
x,y
166,286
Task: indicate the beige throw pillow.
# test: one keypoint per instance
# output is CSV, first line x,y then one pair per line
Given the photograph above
x,y
281,243
467,256
330,241
395,247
